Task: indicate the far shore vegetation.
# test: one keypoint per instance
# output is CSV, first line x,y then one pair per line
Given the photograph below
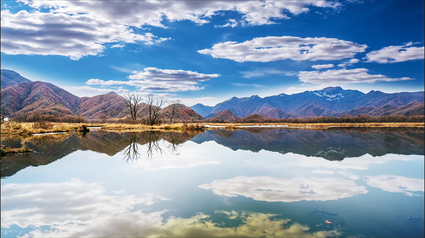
x,y
126,124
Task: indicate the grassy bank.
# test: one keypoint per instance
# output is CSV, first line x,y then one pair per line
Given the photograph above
x,y
162,127
29,128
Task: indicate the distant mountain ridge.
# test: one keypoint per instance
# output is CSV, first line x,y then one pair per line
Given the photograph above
x,y
331,101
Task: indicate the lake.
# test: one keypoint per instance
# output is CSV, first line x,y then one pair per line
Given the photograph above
x,y
244,183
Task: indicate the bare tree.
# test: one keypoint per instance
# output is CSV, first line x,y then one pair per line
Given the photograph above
x,y
154,106
173,109
132,101
103,117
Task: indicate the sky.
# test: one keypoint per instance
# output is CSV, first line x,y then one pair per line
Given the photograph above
x,y
208,51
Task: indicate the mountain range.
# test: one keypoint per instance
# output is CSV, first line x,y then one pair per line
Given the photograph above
x,y
331,101
21,96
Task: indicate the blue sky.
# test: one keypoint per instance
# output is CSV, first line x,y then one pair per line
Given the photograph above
x,y
208,51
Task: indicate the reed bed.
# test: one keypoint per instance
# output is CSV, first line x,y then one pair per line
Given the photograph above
x,y
162,127
29,128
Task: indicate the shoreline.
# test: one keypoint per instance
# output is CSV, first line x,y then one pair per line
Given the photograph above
x,y
29,128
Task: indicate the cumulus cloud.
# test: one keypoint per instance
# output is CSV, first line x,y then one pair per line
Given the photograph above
x,y
81,28
322,66
397,53
271,189
140,13
345,76
273,48
74,36
348,63
396,184
154,79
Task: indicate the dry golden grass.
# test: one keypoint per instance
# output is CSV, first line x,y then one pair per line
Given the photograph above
x,y
29,128
163,127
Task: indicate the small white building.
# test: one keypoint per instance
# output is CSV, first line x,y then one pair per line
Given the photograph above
x,y
6,119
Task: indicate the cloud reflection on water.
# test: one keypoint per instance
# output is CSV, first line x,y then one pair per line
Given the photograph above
x,y
396,184
272,189
76,208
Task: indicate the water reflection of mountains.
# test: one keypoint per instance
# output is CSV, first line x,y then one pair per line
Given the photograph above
x,y
328,144
49,148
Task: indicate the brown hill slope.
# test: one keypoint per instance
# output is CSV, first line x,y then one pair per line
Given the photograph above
x,y
253,118
29,96
225,115
182,113
110,104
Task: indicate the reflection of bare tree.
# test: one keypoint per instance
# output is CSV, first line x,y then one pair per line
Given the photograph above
x,y
174,145
131,152
153,145
152,139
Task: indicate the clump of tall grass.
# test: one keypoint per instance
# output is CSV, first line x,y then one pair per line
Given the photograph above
x,y
193,127
233,127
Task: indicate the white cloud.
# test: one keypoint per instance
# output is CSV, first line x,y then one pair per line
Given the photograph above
x,y
271,189
140,13
273,48
266,72
87,91
154,79
79,209
74,36
248,85
40,204
81,28
358,163
348,63
323,171
203,100
322,66
396,184
345,76
397,53
163,159
118,46
231,23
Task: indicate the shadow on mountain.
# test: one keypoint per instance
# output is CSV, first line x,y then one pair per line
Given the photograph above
x,y
49,148
335,144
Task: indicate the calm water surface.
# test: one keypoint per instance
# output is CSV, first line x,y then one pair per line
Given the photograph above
x,y
247,183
